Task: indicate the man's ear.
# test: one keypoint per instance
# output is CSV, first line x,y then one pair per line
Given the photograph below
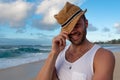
x,y
86,23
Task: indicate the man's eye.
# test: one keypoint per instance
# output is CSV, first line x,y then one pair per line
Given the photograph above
x,y
77,26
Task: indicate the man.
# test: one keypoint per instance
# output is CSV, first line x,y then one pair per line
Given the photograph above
x,y
81,60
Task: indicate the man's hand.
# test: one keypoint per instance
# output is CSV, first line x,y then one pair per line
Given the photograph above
x,y
48,72
59,42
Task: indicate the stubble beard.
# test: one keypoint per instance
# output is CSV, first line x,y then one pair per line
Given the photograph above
x,y
81,40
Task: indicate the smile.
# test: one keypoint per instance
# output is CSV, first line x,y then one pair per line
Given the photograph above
x,y
75,36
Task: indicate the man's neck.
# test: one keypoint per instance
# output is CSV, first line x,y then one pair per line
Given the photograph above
x,y
74,52
76,48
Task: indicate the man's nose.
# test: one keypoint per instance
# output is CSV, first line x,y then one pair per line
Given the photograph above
x,y
73,31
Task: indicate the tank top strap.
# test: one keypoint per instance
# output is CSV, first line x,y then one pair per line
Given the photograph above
x,y
92,53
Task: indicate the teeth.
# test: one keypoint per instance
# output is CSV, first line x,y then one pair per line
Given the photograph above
x,y
75,35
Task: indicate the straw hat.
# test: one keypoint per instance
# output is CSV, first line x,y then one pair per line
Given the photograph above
x,y
69,16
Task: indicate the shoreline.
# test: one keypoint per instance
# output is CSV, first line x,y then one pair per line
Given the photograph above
x,y
22,72
2,69
29,71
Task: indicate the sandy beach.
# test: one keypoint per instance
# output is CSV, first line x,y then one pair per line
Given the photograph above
x,y
30,70
23,72
117,67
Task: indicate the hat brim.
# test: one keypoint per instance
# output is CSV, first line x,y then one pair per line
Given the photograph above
x,y
72,24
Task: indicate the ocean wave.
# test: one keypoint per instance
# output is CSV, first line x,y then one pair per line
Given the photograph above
x,y
16,52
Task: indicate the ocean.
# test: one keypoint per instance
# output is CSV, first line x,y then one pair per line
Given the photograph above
x,y
14,55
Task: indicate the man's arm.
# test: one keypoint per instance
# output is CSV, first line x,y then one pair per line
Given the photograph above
x,y
48,72
55,77
104,64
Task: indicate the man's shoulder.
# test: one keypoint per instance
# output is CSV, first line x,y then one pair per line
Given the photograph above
x,y
103,51
104,63
104,55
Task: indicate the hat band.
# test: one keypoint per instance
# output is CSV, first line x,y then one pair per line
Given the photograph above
x,y
71,18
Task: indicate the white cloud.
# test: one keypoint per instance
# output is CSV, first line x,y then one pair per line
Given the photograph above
x,y
48,8
7,0
117,27
91,27
14,13
105,29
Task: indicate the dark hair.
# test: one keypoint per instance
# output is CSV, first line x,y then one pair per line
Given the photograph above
x,y
83,16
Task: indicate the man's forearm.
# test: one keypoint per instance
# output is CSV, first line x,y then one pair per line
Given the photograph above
x,y
46,71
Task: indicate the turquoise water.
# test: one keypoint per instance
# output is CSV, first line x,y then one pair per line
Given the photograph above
x,y
16,55
112,47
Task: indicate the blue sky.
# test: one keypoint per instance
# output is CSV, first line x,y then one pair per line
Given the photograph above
x,y
32,21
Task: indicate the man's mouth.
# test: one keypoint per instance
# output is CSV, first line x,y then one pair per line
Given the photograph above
x,y
75,36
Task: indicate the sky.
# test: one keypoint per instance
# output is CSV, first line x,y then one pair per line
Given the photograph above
x,y
32,22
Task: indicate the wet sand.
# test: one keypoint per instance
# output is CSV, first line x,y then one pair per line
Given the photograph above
x,y
23,72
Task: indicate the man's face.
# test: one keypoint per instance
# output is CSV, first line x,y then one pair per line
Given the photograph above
x,y
78,34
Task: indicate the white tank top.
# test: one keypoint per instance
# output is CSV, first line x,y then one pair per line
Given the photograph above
x,y
81,69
